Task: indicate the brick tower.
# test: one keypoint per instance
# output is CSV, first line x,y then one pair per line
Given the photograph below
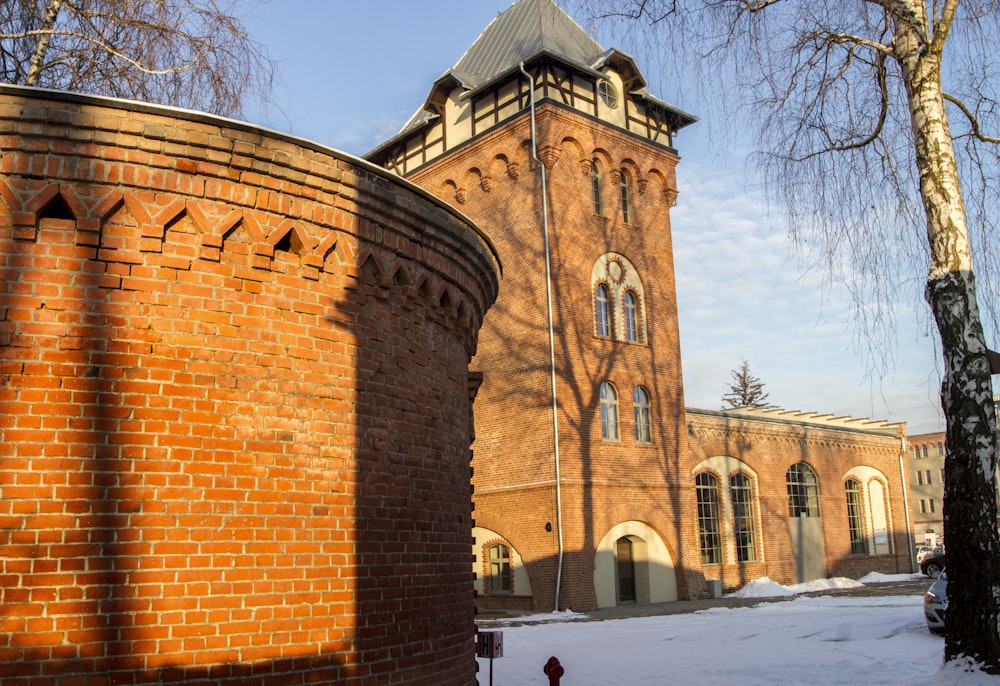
x,y
555,148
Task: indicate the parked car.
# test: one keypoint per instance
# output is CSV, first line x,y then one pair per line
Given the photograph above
x,y
936,604
932,566
925,551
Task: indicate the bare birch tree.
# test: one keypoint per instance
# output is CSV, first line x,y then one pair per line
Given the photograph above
x,y
878,126
187,53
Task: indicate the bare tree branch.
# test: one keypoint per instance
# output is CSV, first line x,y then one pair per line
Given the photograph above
x,y
188,53
973,121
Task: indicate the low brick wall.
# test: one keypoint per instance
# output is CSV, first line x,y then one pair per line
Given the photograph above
x,y
235,405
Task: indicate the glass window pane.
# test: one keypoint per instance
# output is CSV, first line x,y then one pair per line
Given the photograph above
x,y
803,494
609,412
643,415
631,330
709,534
856,518
603,312
741,492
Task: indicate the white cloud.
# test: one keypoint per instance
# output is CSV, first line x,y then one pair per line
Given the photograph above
x,y
741,295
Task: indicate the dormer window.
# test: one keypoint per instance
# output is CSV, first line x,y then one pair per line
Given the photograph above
x,y
609,96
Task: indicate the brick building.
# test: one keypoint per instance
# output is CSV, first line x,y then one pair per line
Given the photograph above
x,y
594,485
234,405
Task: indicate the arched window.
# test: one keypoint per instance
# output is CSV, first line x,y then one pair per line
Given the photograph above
x,y
501,579
609,412
803,494
940,449
631,330
623,188
709,534
603,311
741,494
925,451
643,420
618,304
595,186
856,518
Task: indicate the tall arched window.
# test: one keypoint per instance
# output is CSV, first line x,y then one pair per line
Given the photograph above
x,y
618,301
631,329
803,493
595,185
626,196
501,580
603,310
609,412
709,534
643,420
856,518
741,493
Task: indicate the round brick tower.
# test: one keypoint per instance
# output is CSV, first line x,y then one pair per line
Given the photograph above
x,y
235,405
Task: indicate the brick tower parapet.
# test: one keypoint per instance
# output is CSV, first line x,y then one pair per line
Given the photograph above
x,y
235,405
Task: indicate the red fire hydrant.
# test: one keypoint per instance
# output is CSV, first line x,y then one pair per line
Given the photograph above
x,y
554,671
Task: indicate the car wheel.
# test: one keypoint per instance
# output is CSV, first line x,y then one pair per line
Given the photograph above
x,y
933,570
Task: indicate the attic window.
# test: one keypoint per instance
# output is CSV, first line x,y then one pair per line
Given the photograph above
x,y
609,96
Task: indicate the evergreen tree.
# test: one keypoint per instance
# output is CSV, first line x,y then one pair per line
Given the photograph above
x,y
745,389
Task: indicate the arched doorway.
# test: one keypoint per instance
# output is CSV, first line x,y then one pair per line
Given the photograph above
x,y
632,565
625,567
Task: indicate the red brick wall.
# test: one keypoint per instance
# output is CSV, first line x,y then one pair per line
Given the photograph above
x,y
234,428
769,449
494,180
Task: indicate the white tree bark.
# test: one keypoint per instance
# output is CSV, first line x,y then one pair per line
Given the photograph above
x,y
970,510
42,46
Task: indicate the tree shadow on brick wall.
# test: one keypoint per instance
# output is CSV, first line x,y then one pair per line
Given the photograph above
x,y
515,445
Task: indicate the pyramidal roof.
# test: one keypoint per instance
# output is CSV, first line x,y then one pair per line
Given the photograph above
x,y
525,30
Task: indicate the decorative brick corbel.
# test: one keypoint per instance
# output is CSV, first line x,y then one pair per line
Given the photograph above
x,y
670,195
549,155
513,169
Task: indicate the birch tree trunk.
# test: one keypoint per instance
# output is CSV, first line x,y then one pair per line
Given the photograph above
x,y
42,47
970,508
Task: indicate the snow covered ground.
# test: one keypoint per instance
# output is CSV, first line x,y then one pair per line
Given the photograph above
x,y
819,640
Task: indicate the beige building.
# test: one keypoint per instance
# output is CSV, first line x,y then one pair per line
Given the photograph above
x,y
925,477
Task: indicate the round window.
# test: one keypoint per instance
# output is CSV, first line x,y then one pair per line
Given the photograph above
x,y
608,93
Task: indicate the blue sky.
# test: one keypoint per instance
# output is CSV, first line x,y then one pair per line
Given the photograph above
x,y
353,74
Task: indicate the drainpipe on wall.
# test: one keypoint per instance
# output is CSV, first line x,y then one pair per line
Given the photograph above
x,y
552,336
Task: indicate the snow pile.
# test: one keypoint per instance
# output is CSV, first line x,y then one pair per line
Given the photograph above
x,y
764,587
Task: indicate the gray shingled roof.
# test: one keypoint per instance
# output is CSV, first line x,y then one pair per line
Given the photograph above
x,y
526,29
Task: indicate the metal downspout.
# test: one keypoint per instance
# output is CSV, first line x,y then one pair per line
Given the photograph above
x,y
552,336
